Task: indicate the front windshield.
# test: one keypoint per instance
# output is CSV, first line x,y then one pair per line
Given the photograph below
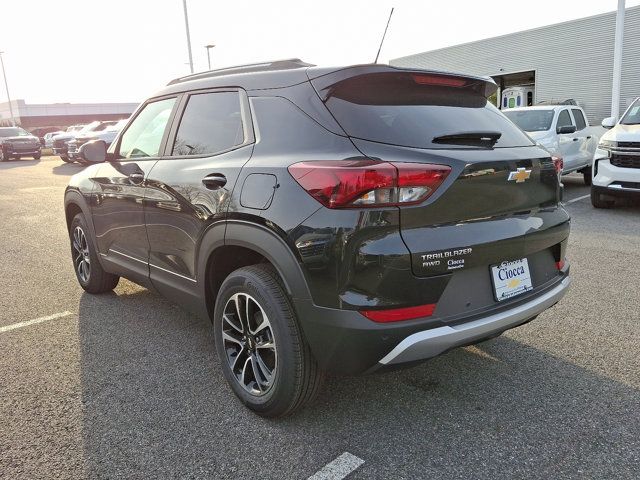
x,y
90,127
632,117
118,126
13,132
531,120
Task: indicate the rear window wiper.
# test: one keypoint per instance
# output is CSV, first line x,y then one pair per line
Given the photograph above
x,y
471,139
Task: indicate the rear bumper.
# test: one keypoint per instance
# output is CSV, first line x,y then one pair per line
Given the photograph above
x,y
345,342
435,341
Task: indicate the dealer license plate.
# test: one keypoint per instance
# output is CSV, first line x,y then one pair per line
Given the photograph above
x,y
511,278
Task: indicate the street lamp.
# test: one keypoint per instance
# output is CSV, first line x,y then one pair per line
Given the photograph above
x,y
6,86
186,26
209,47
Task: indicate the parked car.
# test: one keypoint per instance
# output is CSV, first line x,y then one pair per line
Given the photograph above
x,y
107,136
616,162
15,142
47,140
439,220
59,142
563,130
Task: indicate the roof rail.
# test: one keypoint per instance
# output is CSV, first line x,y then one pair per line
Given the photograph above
x,y
286,64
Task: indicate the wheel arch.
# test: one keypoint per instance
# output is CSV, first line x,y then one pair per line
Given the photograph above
x,y
75,203
228,246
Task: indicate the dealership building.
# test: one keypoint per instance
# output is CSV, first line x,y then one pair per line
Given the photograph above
x,y
40,115
569,60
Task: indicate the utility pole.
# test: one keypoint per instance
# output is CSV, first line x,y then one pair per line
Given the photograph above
x,y
617,61
209,47
186,25
6,86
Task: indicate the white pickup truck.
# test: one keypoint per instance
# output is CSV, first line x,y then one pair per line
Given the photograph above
x,y
616,163
563,130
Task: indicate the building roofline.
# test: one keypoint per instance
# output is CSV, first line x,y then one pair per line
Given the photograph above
x,y
520,32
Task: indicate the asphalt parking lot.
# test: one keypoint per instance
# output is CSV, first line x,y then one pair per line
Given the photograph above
x,y
127,385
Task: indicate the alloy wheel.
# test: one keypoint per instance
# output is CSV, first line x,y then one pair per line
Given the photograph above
x,y
249,344
81,256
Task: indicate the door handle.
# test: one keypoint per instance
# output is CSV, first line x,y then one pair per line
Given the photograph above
x,y
576,139
589,137
136,178
214,181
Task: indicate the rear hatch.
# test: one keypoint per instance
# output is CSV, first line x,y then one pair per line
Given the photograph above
x,y
500,199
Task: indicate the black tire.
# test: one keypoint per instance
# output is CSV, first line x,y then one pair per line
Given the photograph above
x,y
96,279
586,175
66,159
296,377
37,156
598,202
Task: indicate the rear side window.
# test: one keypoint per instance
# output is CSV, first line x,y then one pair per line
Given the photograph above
x,y
579,118
564,119
211,123
419,110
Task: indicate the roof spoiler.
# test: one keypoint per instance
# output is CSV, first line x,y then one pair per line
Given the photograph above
x,y
324,82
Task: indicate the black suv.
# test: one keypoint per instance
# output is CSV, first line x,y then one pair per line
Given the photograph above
x,y
16,142
325,219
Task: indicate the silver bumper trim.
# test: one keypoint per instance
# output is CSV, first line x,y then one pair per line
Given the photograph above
x,y
620,187
429,343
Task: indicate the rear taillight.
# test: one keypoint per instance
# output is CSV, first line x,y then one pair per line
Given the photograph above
x,y
399,314
560,265
558,164
368,183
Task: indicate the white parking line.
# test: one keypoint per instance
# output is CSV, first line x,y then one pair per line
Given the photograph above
x,y
577,199
339,468
26,323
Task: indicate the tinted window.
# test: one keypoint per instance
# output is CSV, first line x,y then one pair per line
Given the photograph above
x,y
144,135
211,123
531,120
405,109
564,119
579,118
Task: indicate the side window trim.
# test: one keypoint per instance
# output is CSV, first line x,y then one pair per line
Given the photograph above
x,y
116,150
247,123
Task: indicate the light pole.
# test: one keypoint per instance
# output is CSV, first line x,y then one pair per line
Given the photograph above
x,y
209,47
617,61
186,25
6,86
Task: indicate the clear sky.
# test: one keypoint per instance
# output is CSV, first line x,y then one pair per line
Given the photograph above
x,y
123,50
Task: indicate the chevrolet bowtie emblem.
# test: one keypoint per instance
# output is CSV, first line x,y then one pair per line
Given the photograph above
x,y
520,175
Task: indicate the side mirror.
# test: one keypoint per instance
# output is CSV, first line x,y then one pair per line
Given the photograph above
x,y
609,122
93,152
566,129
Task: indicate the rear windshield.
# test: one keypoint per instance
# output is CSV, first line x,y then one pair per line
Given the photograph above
x,y
531,120
409,110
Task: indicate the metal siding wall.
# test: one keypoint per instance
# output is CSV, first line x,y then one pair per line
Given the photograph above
x,y
572,60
